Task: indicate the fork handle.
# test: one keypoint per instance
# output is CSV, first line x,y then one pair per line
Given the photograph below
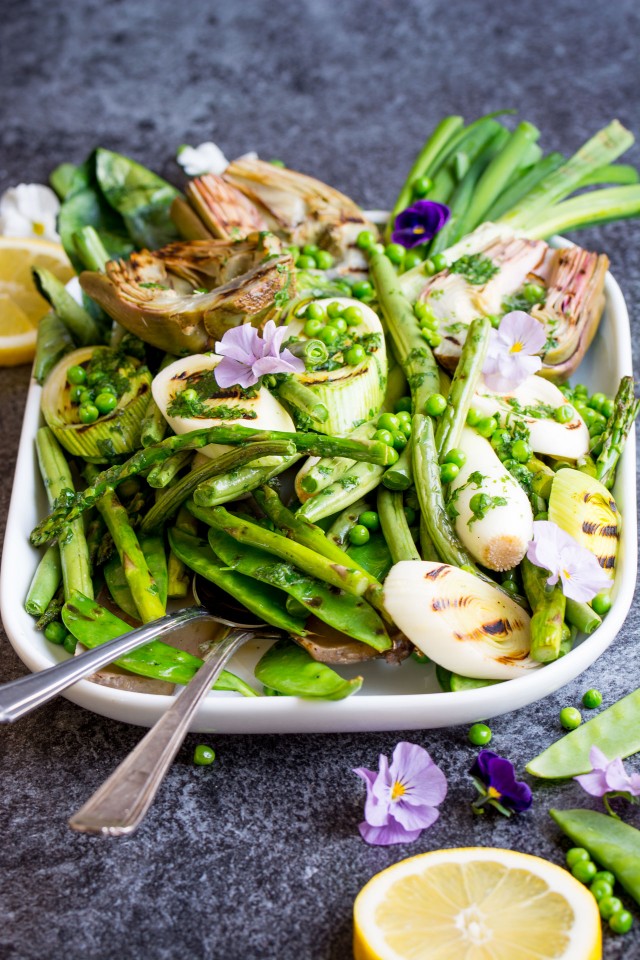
x,y
25,694
118,806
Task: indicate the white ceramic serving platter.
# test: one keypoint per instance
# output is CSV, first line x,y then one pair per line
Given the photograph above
x,y
392,697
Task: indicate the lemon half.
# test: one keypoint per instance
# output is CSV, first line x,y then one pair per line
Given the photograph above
x,y
477,903
21,306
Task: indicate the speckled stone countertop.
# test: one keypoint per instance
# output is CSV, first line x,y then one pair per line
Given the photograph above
x,y
259,857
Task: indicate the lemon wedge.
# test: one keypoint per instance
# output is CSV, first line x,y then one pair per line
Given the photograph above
x,y
21,306
477,903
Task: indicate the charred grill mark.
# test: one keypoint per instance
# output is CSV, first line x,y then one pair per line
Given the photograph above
x,y
444,603
592,527
610,530
437,573
607,562
497,627
573,425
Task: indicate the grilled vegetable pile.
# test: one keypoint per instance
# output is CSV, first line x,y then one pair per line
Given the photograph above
x,y
372,446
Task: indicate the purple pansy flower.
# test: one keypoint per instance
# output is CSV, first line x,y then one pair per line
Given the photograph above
x,y
247,356
558,552
419,223
402,799
609,779
511,354
495,780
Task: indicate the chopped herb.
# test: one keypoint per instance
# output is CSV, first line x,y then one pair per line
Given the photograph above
x,y
153,286
481,504
475,268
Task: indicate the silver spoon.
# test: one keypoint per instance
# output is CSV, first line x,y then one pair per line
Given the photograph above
x,y
119,805
21,696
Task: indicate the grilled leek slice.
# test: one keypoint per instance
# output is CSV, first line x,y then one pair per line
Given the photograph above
x,y
461,622
351,394
212,406
584,508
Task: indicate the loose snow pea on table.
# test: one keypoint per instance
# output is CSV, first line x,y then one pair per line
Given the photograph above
x,y
612,843
616,731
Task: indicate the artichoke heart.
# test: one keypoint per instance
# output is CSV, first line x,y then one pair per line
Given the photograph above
x,y
113,434
183,297
585,509
351,394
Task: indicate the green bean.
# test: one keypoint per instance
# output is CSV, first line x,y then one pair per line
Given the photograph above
x,y
53,341
291,671
90,249
235,483
77,320
581,615
399,476
352,486
463,386
613,844
163,474
339,530
45,583
394,525
301,397
328,469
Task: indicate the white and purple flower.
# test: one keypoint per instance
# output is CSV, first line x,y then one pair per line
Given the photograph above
x,y
566,560
29,210
511,356
247,356
608,779
402,799
207,158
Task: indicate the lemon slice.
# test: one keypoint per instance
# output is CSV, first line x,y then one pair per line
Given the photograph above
x,y
21,306
478,903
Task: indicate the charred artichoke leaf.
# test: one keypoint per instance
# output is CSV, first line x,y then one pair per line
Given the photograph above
x,y
225,211
184,297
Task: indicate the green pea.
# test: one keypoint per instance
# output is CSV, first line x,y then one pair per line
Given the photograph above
x,y
474,416
395,252
352,315
494,320
328,334
600,888
448,472
313,327
75,393
369,519
430,323
340,324
362,290
605,875
581,390
570,718
595,429
405,427
429,268
404,403
277,163
479,734
597,401
294,252
478,503
387,421
355,355
592,699
456,456
70,643
315,311
410,515
486,425
608,906
543,515
434,339
365,240
189,395
564,414
422,309
94,378
55,632
575,855
521,451
334,309
435,405
324,260
439,262
203,755
404,416
584,871
421,186
533,292
310,249
106,402
411,259
511,587
76,375
358,535
305,263
88,413
385,436
106,387
621,921
399,440
608,408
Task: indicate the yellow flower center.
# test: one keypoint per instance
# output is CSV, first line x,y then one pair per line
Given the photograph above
x,y
493,793
516,348
397,790
418,229
38,228
567,574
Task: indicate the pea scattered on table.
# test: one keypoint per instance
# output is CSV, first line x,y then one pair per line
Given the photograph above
x,y
570,718
480,734
203,755
592,699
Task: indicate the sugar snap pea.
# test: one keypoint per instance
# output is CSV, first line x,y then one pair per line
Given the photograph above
x,y
616,731
289,670
613,844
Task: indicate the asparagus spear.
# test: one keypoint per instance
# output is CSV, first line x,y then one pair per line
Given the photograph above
x,y
229,486
163,474
548,606
80,324
178,579
45,583
297,395
581,615
413,352
394,525
463,386
618,426
154,426
328,469
351,486
68,505
74,555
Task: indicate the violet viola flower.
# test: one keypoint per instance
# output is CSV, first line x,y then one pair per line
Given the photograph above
x,y
495,781
558,552
609,779
402,799
419,223
511,354
247,356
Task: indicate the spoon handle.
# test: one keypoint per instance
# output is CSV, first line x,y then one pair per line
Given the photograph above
x,y
25,694
118,806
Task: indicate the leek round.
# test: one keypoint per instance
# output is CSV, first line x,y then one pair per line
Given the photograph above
x,y
461,622
584,508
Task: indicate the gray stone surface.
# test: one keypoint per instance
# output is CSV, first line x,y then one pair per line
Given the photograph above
x,y
259,856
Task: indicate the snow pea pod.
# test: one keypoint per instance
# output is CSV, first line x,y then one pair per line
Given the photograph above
x,y
613,844
289,670
616,731
92,625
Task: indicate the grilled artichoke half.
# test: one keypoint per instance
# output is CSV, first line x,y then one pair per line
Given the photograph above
x,y
184,297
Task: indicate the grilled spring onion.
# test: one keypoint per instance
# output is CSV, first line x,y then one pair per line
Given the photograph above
x,y
466,625
584,508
